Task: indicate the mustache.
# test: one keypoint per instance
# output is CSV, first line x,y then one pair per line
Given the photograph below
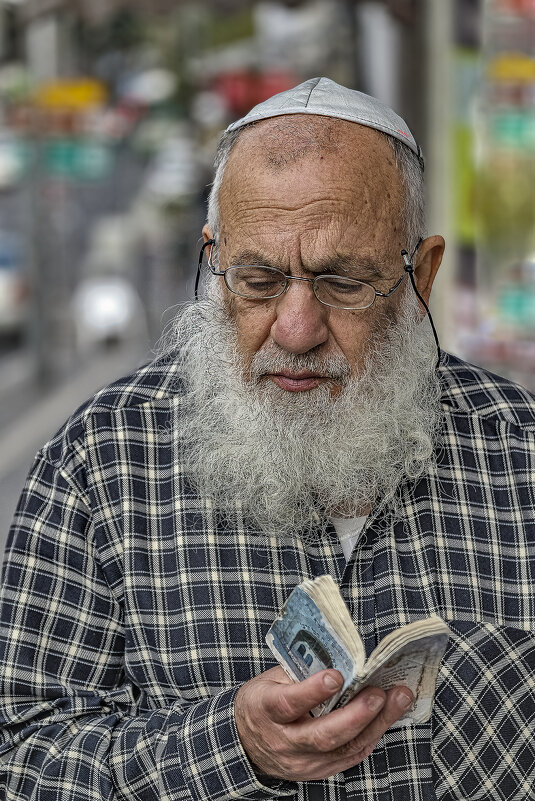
x,y
273,359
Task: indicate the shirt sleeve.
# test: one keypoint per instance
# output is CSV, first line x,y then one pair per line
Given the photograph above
x,y
70,725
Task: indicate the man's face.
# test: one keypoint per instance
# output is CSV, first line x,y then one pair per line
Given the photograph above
x,y
312,422
331,210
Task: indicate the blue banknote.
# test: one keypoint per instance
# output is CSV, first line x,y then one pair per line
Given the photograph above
x,y
304,643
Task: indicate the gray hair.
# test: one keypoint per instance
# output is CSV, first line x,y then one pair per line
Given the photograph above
x,y
413,212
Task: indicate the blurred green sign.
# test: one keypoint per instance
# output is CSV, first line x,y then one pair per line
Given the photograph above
x,y
516,307
68,158
514,128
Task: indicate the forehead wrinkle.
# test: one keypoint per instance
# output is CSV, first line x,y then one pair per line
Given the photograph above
x,y
321,208
344,217
364,266
344,197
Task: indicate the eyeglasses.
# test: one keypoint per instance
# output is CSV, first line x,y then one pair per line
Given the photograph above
x,y
259,282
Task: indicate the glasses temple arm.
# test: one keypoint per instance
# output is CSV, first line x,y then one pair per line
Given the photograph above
x,y
199,266
410,270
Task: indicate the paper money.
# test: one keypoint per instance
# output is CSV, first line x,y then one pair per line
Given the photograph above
x,y
314,631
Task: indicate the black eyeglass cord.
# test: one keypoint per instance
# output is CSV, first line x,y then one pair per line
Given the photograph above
x,y
410,270
199,267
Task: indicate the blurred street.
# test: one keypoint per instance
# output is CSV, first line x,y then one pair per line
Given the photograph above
x,y
31,413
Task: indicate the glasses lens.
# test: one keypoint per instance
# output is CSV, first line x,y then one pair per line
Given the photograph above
x,y
345,293
255,282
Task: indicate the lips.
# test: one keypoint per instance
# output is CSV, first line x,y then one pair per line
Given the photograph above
x,y
296,382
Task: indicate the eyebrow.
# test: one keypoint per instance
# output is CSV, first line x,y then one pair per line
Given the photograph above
x,y
362,266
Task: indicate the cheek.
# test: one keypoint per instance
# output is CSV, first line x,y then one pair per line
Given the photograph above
x,y
253,325
354,333
369,329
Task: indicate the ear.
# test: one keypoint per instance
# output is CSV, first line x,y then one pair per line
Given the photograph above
x,y
207,236
428,258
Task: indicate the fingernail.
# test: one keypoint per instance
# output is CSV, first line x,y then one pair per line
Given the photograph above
x,y
403,699
331,682
375,702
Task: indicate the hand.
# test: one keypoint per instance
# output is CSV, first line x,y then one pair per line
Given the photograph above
x,y
283,741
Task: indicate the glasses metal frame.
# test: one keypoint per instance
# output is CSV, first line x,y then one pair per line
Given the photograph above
x,y
313,281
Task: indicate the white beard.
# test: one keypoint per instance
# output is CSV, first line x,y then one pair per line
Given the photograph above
x,y
289,460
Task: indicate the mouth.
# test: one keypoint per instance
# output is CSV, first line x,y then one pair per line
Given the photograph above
x,y
296,382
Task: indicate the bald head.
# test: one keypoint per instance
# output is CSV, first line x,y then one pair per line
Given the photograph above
x,y
306,142
283,141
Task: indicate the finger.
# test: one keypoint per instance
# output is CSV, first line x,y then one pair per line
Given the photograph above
x,y
290,702
341,726
275,674
398,701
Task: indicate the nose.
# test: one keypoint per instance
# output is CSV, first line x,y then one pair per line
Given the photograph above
x,y
300,319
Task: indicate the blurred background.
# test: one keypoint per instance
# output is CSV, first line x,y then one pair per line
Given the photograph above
x,y
109,117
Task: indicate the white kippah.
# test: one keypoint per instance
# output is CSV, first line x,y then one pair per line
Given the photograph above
x,y
327,98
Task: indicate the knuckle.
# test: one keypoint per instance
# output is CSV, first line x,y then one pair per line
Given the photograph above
x,y
285,707
360,750
302,742
323,741
355,747
365,753
272,745
291,765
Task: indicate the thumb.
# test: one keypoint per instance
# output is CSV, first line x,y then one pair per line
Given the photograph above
x,y
288,702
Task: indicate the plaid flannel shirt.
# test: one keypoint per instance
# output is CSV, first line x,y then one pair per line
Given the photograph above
x,y
131,612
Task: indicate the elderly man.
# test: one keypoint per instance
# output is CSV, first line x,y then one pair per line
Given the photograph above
x,y
296,423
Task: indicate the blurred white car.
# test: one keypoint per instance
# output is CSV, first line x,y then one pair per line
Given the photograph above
x,y
106,310
14,287
150,87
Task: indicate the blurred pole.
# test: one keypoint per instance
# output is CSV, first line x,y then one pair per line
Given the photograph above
x,y
40,335
379,52
438,63
350,48
42,57
3,48
50,52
